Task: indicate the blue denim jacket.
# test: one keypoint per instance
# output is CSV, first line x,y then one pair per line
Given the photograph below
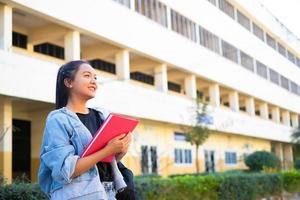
x,y
65,138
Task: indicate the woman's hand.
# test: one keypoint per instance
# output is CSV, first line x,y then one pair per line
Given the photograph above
x,y
119,144
121,154
116,145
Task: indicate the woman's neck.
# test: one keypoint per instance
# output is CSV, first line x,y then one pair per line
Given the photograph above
x,y
77,105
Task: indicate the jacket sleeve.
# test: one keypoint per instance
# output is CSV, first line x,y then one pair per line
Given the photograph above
x,y
58,154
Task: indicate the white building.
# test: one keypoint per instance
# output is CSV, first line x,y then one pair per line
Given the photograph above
x,y
153,58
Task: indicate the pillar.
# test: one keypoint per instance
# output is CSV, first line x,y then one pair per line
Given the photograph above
x,y
214,94
275,114
160,78
72,45
286,118
5,27
122,65
250,106
287,156
264,110
234,101
295,120
6,139
190,86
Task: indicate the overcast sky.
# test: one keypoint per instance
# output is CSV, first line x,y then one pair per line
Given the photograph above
x,y
287,11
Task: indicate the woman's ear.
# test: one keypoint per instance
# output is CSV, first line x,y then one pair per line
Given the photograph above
x,y
68,83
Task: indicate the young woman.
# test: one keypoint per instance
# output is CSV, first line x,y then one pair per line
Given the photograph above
x,y
68,130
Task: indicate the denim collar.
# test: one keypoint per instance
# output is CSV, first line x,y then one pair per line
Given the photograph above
x,y
72,114
77,122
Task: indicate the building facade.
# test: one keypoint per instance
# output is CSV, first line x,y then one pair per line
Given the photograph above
x,y
153,58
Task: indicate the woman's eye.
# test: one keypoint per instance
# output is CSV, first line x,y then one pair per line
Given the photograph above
x,y
86,75
95,77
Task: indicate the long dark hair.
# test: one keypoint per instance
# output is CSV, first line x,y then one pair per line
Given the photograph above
x,y
66,71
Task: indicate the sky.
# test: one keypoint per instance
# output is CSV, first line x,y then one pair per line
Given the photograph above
x,y
286,11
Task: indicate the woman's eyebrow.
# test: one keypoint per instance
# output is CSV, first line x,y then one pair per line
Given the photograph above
x,y
89,73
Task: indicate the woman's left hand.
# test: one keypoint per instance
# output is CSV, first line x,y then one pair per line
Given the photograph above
x,y
121,154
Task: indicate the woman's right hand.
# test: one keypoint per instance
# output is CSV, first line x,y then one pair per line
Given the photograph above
x,y
119,143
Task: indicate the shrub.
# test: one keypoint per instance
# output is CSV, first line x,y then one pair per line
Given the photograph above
x,y
297,164
21,191
182,187
259,160
291,181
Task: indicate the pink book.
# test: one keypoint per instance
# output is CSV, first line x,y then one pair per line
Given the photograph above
x,y
113,126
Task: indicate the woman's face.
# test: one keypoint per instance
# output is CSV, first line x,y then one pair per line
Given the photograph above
x,y
84,83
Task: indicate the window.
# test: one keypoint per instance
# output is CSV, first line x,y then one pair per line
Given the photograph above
x,y
153,9
50,50
243,20
298,62
145,78
227,8
183,26
291,57
261,70
124,2
174,87
271,41
180,136
284,82
209,40
281,49
246,61
274,76
149,159
294,88
183,156
19,40
212,2
229,51
258,32
230,158
103,65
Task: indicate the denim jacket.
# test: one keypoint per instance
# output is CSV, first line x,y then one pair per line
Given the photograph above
x,y
65,138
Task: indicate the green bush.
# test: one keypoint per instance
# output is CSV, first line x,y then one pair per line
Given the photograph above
x,y
233,185
220,186
260,159
291,181
21,191
297,164
183,187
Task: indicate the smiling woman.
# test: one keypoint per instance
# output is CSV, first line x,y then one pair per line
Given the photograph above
x,y
69,129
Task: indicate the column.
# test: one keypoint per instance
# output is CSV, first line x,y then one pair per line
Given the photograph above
x,y
132,5
190,86
214,94
169,19
72,46
264,110
234,101
250,106
5,27
295,120
288,156
279,152
122,65
286,118
275,114
160,78
6,138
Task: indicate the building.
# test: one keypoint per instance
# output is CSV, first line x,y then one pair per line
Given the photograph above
x,y
153,58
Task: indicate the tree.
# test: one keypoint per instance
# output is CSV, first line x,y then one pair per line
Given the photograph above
x,y
296,147
260,159
198,132
296,135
